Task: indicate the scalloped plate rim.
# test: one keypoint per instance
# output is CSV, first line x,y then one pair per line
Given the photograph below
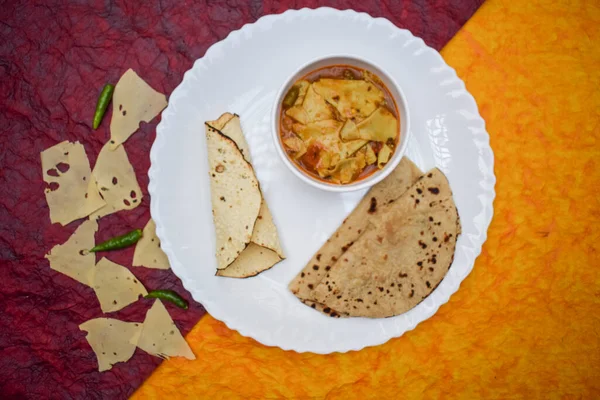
x,y
212,307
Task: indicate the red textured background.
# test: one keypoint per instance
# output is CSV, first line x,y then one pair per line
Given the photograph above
x,y
54,58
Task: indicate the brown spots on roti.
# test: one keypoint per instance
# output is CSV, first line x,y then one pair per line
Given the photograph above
x,y
402,226
373,206
355,226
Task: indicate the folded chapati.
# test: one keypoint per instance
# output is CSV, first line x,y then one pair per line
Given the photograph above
x,y
401,258
375,201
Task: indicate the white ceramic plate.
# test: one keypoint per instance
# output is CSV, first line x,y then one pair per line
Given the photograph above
x,y
241,74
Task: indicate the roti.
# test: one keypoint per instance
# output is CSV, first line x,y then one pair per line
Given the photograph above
x,y
235,196
375,201
401,258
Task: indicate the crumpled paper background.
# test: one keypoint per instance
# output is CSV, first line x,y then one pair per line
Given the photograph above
x,y
525,323
55,57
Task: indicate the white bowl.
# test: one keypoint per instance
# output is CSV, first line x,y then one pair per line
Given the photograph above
x,y
397,95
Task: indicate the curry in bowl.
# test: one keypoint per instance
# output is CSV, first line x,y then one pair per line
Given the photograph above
x,y
339,124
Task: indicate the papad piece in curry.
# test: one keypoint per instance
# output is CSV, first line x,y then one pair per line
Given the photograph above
x,y
235,196
401,258
377,199
71,193
161,337
72,257
353,99
116,181
316,107
381,126
147,250
134,101
112,340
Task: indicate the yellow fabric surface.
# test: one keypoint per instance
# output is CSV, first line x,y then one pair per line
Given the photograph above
x,y
526,322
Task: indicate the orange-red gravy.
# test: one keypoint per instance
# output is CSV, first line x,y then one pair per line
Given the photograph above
x,y
309,160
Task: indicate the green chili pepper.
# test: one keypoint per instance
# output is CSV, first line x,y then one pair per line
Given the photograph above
x,y
119,242
291,96
102,104
168,295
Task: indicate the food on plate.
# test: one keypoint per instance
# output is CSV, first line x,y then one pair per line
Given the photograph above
x,y
381,196
390,253
134,101
252,261
235,196
247,240
119,242
102,104
71,193
404,255
160,336
72,258
339,124
147,250
116,182
112,341
168,295
115,286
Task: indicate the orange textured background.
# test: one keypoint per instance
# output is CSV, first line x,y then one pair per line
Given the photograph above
x,y
526,322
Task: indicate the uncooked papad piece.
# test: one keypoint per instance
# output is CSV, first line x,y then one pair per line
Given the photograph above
x,y
72,257
71,193
116,182
111,340
134,101
115,286
235,196
373,203
147,250
401,258
160,336
264,251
